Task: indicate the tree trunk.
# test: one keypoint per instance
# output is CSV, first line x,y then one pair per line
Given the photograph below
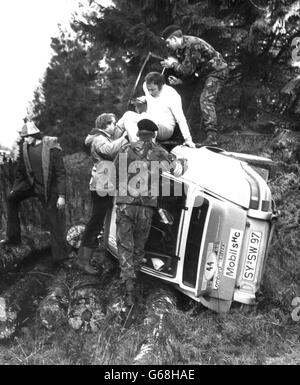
x,y
86,308
158,305
19,301
11,257
53,308
77,298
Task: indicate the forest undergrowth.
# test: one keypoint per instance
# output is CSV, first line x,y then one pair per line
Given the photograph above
x,y
267,333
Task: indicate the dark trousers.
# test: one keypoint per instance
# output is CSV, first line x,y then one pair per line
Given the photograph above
x,y
202,92
133,224
55,219
208,98
100,205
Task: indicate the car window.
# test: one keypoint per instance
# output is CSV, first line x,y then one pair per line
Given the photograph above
x,y
194,239
163,237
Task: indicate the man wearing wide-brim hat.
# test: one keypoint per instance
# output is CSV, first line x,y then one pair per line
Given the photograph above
x,y
195,56
40,173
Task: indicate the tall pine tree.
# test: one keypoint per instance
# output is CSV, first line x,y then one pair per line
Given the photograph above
x,y
95,71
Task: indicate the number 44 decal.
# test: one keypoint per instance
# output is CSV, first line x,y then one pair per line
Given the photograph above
x,y
210,266
296,312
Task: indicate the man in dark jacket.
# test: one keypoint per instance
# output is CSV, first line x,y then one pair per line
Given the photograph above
x,y
137,198
195,57
103,151
40,173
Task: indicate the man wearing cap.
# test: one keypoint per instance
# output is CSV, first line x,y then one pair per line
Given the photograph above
x,y
40,173
196,56
137,198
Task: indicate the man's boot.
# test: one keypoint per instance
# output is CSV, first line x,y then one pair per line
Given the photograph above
x,y
83,261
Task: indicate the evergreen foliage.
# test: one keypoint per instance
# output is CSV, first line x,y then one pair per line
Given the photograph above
x,y
94,71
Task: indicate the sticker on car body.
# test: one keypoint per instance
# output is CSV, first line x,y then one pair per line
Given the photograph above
x,y
218,275
214,266
210,266
233,253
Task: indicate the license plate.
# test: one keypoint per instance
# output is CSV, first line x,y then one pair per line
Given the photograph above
x,y
252,255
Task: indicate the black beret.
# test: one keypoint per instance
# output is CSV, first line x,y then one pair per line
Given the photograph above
x,y
147,125
168,31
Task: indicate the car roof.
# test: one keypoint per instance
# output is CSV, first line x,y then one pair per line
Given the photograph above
x,y
215,172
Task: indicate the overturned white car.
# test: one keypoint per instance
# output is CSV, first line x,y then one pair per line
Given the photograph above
x,y
212,238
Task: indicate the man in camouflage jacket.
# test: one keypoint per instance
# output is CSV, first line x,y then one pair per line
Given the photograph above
x,y
196,57
137,198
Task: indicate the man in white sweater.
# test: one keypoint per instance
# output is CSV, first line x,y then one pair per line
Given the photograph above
x,y
164,108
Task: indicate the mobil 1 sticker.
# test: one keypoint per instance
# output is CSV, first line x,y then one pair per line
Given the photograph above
x,y
233,253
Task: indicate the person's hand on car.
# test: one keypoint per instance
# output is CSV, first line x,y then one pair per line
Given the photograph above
x,y
189,143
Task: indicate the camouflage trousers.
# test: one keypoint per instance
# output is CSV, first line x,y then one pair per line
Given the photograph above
x,y
133,224
213,85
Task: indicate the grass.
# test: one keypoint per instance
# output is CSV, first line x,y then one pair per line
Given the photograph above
x,y
189,333
195,337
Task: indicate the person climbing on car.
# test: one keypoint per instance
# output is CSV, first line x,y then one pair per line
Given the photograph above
x,y
196,56
137,199
164,107
103,150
